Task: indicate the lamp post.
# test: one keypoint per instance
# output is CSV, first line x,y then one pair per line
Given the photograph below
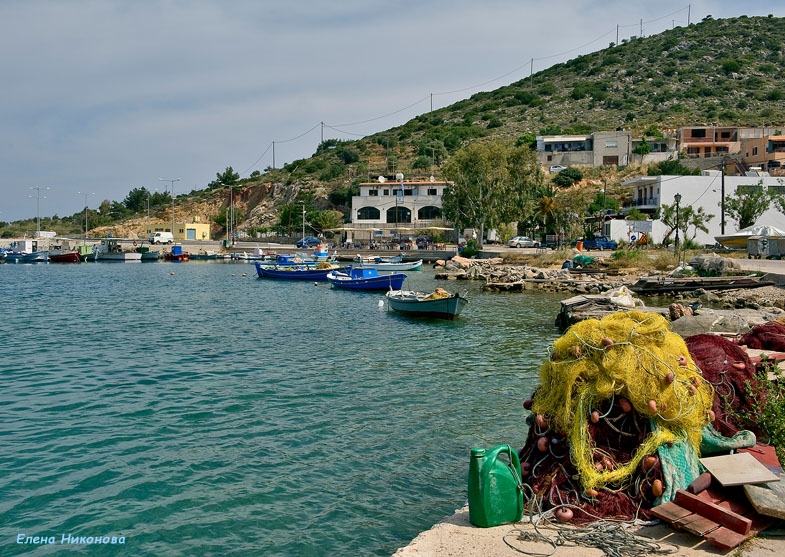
x,y
677,198
84,238
602,219
172,180
37,209
148,214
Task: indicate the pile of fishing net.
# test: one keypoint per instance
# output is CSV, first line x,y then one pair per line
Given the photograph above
x,y
617,419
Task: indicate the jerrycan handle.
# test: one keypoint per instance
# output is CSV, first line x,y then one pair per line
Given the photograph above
x,y
515,463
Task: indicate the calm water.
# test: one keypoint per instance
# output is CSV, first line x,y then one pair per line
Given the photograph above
x,y
194,411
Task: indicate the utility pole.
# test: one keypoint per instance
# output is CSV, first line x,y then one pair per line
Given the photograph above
x,y
172,180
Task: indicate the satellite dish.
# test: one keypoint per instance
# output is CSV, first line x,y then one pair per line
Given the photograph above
x,y
399,177
432,179
381,179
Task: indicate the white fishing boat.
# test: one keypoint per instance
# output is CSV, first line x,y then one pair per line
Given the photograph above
x,y
111,249
395,263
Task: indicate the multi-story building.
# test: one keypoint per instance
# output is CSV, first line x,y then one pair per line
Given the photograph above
x,y
387,208
597,149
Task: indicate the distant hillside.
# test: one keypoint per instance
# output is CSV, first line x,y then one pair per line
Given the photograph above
x,y
723,72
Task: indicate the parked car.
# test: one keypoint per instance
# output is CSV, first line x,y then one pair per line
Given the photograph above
x,y
523,242
600,243
308,242
557,168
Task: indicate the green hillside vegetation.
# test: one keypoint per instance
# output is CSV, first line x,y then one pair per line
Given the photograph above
x,y
722,72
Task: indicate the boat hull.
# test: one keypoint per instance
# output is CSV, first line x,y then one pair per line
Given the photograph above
x,y
417,304
385,266
66,257
356,281
292,273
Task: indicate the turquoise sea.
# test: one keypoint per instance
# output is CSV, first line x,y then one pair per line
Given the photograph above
x,y
194,409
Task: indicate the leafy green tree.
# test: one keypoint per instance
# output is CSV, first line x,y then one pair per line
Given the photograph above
x,y
643,148
325,220
492,184
478,172
136,200
567,177
672,168
745,205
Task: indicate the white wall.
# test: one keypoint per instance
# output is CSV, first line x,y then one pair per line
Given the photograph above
x,y
705,191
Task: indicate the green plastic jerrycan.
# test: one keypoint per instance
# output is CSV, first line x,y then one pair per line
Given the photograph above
x,y
495,495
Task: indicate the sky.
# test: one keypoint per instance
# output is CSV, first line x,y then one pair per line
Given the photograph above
x,y
99,97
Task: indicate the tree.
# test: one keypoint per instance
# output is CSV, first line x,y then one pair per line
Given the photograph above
x,y
478,172
136,200
492,184
324,220
643,148
568,177
748,203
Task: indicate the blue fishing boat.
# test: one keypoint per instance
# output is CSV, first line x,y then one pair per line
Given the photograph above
x,y
294,272
365,279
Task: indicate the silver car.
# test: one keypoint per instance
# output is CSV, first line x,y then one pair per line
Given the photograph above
x,y
523,242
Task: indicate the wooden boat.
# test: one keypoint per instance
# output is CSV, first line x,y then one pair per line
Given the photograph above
x,y
297,272
387,263
64,257
110,249
439,304
663,284
365,279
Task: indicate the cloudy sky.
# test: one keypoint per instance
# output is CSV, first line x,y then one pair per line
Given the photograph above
x,y
99,96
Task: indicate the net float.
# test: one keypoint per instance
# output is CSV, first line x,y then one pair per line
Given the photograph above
x,y
563,514
625,405
669,377
528,404
592,492
541,421
595,417
542,444
653,406
656,488
607,341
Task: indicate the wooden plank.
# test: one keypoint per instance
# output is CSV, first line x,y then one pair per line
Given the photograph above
x,y
726,539
737,469
725,517
696,524
670,512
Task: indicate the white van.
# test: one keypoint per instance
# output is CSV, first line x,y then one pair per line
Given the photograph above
x,y
161,238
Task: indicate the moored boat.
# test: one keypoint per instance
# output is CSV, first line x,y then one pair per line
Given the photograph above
x,y
439,304
110,249
64,257
387,263
354,278
296,272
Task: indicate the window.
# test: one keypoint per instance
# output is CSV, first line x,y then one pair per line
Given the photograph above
x,y
368,213
386,192
373,193
611,144
698,133
749,189
754,151
429,213
432,191
779,190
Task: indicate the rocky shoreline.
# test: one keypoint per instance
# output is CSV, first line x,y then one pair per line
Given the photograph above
x,y
505,277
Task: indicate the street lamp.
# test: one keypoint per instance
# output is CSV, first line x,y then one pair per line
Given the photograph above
x,y
149,193
602,219
84,238
677,197
37,209
172,180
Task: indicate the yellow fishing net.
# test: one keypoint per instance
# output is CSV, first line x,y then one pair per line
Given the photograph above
x,y
625,358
